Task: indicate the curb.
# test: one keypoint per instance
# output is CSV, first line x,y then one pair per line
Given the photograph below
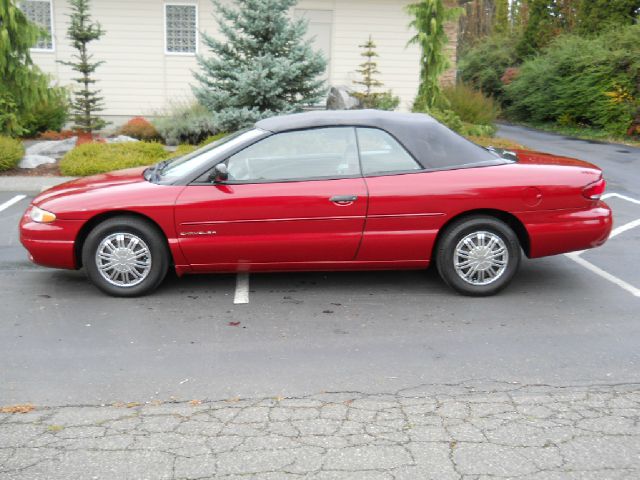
x,y
23,183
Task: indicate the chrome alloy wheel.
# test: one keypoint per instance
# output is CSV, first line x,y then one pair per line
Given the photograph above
x,y
480,258
123,259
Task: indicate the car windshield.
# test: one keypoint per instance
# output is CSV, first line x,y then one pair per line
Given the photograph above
x,y
191,162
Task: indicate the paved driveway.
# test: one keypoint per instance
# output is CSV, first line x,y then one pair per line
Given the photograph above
x,y
541,380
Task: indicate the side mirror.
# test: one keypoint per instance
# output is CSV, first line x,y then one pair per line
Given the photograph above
x,y
220,173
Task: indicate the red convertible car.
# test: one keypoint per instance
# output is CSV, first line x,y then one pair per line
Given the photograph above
x,y
354,190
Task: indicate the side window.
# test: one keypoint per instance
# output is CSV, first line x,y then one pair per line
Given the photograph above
x,y
381,153
298,155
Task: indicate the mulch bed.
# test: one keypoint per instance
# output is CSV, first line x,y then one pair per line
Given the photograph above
x,y
46,170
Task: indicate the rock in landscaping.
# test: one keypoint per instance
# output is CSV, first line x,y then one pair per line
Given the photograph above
x,y
46,152
33,161
121,139
340,98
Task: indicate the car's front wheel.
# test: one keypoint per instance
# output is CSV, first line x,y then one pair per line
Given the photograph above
x,y
478,256
125,256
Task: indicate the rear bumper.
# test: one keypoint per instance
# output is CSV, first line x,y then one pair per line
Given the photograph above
x,y
563,231
50,245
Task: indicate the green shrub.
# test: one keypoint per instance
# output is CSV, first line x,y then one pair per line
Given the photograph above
x,y
471,105
92,158
448,118
11,152
581,81
185,124
49,115
484,65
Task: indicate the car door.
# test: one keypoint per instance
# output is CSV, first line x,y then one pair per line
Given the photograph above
x,y
294,197
402,219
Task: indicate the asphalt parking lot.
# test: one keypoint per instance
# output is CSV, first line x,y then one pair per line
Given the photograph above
x,y
563,339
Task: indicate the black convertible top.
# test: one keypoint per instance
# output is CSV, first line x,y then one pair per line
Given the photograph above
x,y
431,143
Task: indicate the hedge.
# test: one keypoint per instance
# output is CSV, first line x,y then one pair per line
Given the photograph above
x,y
581,81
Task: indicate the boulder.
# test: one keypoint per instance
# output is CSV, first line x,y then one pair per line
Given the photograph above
x,y
121,139
33,161
46,152
340,98
52,148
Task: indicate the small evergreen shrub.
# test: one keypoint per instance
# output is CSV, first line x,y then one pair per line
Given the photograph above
x,y
471,105
140,128
190,123
92,158
11,152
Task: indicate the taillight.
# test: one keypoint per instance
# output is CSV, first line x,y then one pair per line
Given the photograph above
x,y
594,190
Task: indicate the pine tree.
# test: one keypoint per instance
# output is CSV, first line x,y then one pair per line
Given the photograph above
x,y
86,101
22,84
262,67
519,14
368,69
539,28
429,18
501,19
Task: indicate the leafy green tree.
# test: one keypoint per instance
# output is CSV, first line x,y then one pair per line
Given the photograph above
x,y
87,101
369,69
261,67
597,15
22,84
429,18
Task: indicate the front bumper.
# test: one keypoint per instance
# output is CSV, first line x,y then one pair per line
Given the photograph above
x,y
52,244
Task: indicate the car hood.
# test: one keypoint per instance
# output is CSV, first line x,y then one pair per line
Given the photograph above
x,y
94,182
530,157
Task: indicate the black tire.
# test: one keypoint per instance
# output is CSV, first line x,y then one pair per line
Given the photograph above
x,y
446,256
151,238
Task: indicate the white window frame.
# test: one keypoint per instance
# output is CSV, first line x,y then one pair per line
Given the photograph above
x,y
197,33
52,28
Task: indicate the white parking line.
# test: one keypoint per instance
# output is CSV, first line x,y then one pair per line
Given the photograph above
x,y
11,201
623,197
624,228
575,256
242,288
606,275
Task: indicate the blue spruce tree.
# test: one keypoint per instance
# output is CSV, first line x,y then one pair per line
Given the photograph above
x,y
262,67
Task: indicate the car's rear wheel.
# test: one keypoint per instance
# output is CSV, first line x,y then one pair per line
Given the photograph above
x,y
478,255
125,256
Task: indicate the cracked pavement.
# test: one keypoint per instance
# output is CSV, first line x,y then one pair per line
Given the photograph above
x,y
466,431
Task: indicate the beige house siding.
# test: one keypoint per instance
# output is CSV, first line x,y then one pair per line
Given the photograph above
x,y
139,78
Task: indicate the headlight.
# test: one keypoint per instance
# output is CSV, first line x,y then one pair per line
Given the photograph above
x,y
41,216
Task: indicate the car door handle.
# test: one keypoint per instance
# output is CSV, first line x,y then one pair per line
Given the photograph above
x,y
344,199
